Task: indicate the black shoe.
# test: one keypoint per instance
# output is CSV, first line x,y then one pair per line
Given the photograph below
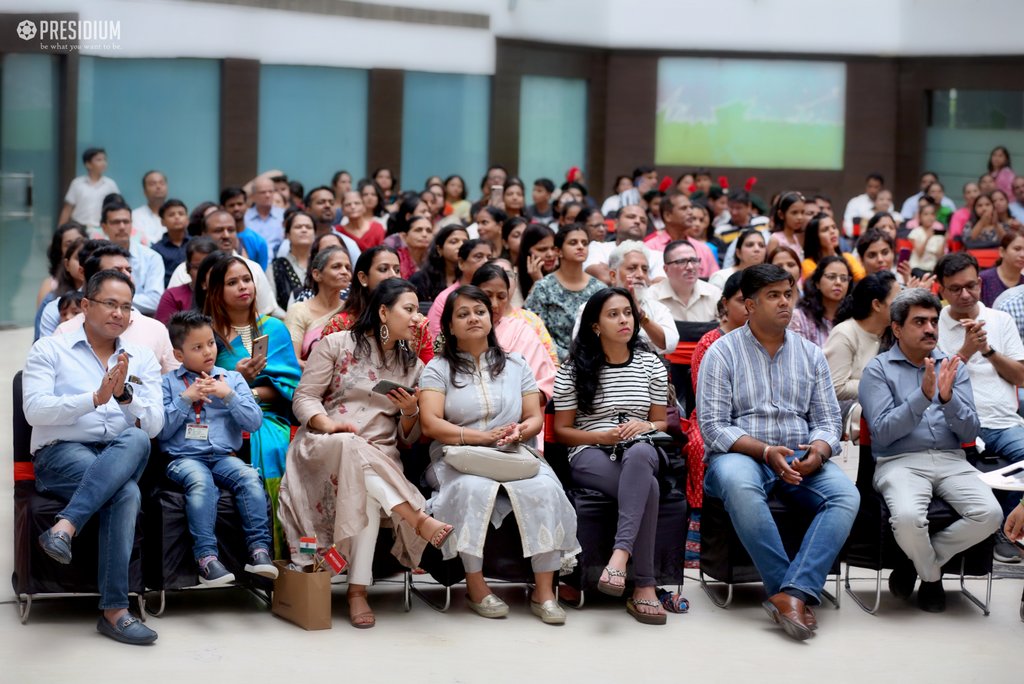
x,y
214,574
128,630
1005,550
260,564
931,597
902,580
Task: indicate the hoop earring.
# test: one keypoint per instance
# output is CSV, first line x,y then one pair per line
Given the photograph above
x,y
385,334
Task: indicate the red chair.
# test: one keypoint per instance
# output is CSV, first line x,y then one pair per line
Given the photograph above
x,y
987,258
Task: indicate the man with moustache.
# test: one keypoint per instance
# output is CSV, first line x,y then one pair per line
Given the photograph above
x,y
320,204
679,221
630,224
919,407
770,421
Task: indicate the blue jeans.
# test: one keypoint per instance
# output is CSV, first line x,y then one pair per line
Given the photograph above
x,y
743,484
100,478
201,478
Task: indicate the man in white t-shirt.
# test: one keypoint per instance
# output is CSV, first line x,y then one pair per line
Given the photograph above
x,y
862,205
988,341
146,219
84,198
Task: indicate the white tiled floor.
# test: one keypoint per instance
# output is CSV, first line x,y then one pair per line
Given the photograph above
x,y
230,636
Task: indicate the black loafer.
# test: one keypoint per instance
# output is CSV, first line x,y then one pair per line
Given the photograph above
x,y
128,630
56,545
902,580
931,597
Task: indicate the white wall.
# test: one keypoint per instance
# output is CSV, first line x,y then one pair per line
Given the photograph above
x,y
167,28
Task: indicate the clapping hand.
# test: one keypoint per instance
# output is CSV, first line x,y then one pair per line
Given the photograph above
x,y
947,376
112,384
975,338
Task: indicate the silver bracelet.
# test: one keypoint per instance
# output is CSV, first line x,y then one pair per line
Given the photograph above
x,y
462,436
411,415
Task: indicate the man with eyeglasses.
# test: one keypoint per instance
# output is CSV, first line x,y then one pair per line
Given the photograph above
x,y
919,408
147,265
139,329
988,343
94,402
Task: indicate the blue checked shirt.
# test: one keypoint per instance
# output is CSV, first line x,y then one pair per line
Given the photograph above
x,y
787,400
1012,302
226,417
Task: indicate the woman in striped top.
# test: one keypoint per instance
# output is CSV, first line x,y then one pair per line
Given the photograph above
x,y
610,390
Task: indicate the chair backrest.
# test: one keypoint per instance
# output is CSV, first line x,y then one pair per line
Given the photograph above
x,y
987,258
22,434
689,335
866,461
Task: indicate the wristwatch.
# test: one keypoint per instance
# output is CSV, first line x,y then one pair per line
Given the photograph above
x,y
126,396
989,353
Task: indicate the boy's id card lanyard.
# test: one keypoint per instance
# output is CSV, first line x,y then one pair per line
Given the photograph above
x,y
197,430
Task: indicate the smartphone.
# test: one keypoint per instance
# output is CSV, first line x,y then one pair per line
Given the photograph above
x,y
259,346
1017,473
904,255
385,386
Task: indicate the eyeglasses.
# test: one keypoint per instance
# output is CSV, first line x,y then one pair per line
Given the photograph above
x,y
684,262
955,290
836,277
110,305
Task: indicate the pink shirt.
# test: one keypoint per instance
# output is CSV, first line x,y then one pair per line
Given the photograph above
x,y
1004,181
708,263
437,308
142,331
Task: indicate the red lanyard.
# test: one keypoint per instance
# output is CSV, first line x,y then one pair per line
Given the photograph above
x,y
197,406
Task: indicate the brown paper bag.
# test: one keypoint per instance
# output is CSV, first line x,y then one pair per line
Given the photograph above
x,y
302,597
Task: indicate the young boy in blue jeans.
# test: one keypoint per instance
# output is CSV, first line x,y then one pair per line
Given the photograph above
x,y
206,408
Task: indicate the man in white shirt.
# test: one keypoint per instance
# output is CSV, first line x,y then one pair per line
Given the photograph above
x,y
687,297
84,198
630,224
146,219
645,178
147,265
862,205
988,342
220,226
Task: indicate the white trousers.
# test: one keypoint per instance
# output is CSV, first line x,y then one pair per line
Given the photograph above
x,y
380,496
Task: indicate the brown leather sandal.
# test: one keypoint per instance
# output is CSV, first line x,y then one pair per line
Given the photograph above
x,y
364,620
437,539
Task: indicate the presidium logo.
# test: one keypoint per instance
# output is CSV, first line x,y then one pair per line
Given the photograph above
x,y
76,34
26,30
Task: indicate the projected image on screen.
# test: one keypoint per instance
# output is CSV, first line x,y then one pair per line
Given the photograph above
x,y
750,113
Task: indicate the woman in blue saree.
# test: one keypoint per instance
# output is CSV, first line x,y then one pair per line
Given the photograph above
x,y
273,377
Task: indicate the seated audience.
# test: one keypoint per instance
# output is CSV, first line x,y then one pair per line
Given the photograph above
x,y
824,292
363,229
990,347
770,421
788,223
65,236
919,408
330,273
748,250
202,454
231,302
147,265
473,393
1008,270
174,238
983,231
472,255
349,435
558,296
862,205
608,392
94,403
630,224
821,239
441,268
180,297
287,273
854,341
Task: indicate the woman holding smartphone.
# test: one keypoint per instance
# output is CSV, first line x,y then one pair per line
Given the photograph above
x,y
272,371
344,472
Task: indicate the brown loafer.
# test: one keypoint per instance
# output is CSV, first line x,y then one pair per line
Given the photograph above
x,y
788,612
809,619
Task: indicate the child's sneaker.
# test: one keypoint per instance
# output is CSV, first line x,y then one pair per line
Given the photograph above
x,y
212,573
260,564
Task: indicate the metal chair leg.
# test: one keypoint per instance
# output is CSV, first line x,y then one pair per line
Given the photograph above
x,y
439,607
1022,607
141,598
720,602
162,597
25,607
856,599
407,591
974,599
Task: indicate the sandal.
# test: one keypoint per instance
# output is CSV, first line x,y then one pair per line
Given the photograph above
x,y
364,620
437,540
645,618
606,587
673,602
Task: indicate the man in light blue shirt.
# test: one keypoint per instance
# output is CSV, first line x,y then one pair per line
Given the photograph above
x,y
770,420
94,404
263,217
919,409
147,265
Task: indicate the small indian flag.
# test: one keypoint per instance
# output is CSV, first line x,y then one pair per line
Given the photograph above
x,y
307,545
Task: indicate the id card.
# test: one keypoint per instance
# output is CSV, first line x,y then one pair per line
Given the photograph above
x,y
197,431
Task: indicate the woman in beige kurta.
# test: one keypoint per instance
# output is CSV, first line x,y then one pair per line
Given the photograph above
x,y
343,469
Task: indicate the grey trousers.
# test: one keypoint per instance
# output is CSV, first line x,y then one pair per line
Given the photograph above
x,y
632,481
909,481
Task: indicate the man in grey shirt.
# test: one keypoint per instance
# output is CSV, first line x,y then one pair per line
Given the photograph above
x,y
919,408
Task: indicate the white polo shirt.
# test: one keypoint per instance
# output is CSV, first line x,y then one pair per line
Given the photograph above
x,y
995,398
701,307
